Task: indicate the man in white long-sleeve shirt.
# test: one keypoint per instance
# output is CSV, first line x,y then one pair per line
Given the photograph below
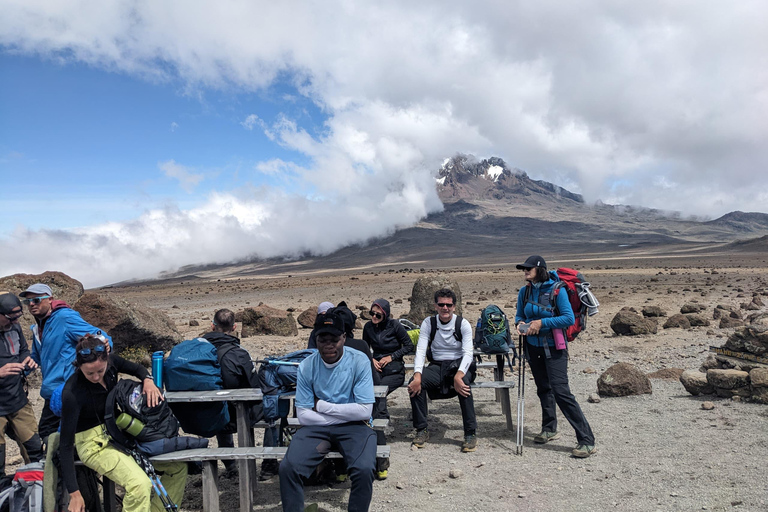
x,y
334,401
450,371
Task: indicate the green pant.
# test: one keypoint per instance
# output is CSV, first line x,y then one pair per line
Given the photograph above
x,y
95,451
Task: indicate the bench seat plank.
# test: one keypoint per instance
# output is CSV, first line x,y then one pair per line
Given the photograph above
x,y
245,453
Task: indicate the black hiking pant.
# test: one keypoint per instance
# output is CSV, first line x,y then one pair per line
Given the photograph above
x,y
551,377
392,376
437,383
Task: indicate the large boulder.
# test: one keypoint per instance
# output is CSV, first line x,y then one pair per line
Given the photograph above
x,y
678,320
752,339
727,378
758,380
695,382
722,311
623,379
63,287
307,317
628,323
136,331
727,322
423,297
266,320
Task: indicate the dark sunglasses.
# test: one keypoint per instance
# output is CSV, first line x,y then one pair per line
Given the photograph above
x,y
36,300
375,314
99,349
445,304
13,316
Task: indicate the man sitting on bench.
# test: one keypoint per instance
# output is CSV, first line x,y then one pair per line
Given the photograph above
x,y
446,341
334,401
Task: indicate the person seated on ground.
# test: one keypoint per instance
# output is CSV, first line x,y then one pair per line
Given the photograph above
x,y
82,427
450,372
15,410
334,400
237,372
322,308
389,342
536,321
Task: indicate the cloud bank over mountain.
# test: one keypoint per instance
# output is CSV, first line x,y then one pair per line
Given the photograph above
x,y
660,104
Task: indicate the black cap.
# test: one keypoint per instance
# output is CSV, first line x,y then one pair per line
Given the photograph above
x,y
329,323
533,262
8,302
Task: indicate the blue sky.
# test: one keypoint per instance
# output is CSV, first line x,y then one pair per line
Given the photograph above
x,y
89,143
138,137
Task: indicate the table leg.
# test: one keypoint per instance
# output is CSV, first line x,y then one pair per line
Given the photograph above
x,y
210,486
246,468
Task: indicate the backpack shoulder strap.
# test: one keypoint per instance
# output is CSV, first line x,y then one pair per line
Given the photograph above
x,y
457,328
432,328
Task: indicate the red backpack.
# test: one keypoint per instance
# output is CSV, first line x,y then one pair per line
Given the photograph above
x,y
583,302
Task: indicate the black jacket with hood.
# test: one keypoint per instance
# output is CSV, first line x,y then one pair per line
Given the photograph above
x,y
237,369
388,337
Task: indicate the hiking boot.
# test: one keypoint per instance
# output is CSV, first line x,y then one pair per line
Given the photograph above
x,y
584,450
340,479
545,437
422,436
382,475
469,444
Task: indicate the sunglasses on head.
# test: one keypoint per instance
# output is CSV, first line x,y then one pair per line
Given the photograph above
x,y
13,316
98,349
36,300
374,314
445,304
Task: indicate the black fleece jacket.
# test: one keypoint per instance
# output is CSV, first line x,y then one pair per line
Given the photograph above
x,y
388,337
236,365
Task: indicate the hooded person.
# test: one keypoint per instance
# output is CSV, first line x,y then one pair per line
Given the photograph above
x,y
389,341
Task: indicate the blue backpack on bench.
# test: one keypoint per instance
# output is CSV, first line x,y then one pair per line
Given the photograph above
x,y
277,375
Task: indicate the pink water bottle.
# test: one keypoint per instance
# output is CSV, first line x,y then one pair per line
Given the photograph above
x,y
559,339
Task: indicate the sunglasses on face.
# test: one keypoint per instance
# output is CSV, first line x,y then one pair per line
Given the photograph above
x,y
36,300
13,316
445,304
374,314
99,349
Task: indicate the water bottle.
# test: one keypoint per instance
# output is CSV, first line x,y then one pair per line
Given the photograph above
x,y
157,368
130,424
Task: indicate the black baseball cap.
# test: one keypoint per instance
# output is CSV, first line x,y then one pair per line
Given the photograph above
x,y
329,323
8,302
533,262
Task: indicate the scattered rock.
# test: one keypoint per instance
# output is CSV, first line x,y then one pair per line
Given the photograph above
x,y
266,320
653,311
400,485
631,324
666,373
136,331
593,398
696,320
692,308
678,320
695,382
194,323
423,296
456,473
728,322
589,370
623,379
707,406
307,317
752,339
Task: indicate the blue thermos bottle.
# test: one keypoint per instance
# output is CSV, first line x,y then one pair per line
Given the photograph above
x,y
157,368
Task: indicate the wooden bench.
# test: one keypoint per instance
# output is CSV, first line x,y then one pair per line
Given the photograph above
x,y
209,458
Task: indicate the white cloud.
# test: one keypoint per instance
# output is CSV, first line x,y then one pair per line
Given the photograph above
x,y
655,103
174,125
187,180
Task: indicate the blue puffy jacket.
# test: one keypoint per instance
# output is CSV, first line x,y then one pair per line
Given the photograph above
x,y
54,348
528,312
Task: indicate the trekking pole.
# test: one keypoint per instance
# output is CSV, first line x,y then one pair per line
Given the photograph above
x,y
157,485
520,399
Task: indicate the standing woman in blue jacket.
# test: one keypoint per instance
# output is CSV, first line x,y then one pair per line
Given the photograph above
x,y
389,342
535,320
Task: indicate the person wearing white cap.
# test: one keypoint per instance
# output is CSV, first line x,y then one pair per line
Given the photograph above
x,y
15,409
322,308
55,335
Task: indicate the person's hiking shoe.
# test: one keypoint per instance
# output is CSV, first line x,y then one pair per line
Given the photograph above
x,y
382,475
311,508
583,451
422,436
545,436
340,479
469,444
